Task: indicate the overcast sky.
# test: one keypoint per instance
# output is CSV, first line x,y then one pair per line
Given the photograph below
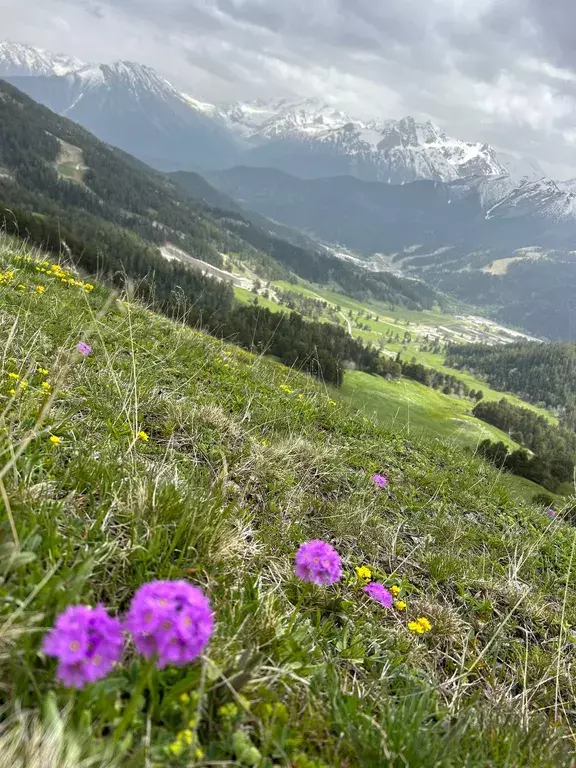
x,y
501,71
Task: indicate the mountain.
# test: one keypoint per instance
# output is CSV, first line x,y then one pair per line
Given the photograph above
x,y
310,139
373,217
131,106
489,241
117,211
17,59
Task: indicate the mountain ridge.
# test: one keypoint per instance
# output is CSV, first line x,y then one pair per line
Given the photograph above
x,y
133,107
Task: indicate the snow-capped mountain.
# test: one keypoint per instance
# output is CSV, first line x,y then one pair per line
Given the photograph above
x,y
17,60
132,106
394,151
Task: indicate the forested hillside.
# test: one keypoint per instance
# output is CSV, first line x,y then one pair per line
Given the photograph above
x,y
538,372
554,447
52,166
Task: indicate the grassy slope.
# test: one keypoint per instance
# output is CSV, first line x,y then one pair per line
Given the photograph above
x,y
420,411
386,323
238,472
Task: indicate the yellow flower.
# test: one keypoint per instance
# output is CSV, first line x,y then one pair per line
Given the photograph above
x,y
228,710
185,699
176,748
285,388
23,385
400,605
40,289
43,371
198,754
21,287
143,436
186,736
420,626
395,590
331,402
46,386
363,572
12,392
88,287
55,440
425,624
300,397
14,376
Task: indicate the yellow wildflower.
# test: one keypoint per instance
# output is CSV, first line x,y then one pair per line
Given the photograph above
x,y
186,736
143,436
176,748
55,440
395,590
43,371
285,388
331,402
12,392
198,754
363,572
46,386
21,287
228,710
400,605
185,699
425,624
88,287
23,385
40,289
420,626
14,376
415,627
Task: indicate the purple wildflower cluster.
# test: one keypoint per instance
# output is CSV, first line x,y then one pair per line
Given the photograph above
x,y
380,480
87,643
379,593
170,621
318,562
84,348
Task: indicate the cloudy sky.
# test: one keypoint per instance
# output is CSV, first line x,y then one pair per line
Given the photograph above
x,y
501,71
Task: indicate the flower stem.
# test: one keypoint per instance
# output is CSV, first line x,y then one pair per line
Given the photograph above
x,y
133,705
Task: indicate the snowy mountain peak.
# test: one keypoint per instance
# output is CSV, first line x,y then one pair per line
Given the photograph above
x,y
138,78
17,59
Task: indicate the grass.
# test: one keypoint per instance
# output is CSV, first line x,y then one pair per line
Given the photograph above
x,y
246,460
393,320
418,411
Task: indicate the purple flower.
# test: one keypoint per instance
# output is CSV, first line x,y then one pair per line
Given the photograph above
x,y
551,512
171,620
318,562
379,593
84,348
380,480
87,643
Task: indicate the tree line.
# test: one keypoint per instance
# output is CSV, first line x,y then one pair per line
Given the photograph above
x,y
536,371
554,448
322,349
